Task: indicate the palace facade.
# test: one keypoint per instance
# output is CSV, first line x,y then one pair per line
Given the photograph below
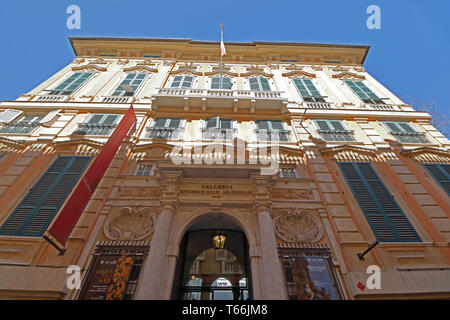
x,y
290,174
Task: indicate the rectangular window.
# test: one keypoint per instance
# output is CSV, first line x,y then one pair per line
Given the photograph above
x,y
307,90
288,173
441,173
182,81
271,130
130,85
71,84
33,215
226,83
164,128
259,84
404,133
99,125
144,170
218,129
22,125
333,130
363,92
387,220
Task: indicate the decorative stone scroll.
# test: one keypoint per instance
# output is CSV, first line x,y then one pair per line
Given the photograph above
x,y
296,226
138,192
129,224
292,194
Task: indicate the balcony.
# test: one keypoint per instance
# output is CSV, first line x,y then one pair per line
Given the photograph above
x,y
51,98
410,137
382,107
318,105
218,134
207,98
272,135
116,99
95,129
334,135
163,133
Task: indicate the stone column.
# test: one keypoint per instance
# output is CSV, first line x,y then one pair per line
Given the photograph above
x,y
271,277
152,275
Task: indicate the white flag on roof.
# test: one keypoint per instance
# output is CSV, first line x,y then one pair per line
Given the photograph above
x,y
223,51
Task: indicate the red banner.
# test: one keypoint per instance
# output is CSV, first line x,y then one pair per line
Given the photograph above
x,y
62,226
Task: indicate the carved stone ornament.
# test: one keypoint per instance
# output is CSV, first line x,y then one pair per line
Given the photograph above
x,y
129,224
292,194
298,226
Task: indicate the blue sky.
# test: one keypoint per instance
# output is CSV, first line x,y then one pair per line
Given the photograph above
x,y
410,54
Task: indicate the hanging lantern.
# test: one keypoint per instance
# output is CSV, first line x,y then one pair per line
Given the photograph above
x,y
219,240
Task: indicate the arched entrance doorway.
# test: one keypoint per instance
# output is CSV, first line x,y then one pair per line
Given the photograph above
x,y
207,272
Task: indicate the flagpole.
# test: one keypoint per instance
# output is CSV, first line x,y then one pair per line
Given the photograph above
x,y
221,41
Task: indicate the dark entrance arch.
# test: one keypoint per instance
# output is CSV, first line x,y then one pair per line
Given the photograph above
x,y
206,273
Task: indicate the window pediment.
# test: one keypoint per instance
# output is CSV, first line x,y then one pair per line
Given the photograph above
x,y
256,73
348,76
151,151
349,153
140,69
8,145
427,154
78,147
298,73
89,67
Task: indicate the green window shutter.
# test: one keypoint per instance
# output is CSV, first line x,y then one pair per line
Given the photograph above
x,y
254,84
323,125
406,127
276,125
226,83
160,123
226,123
187,82
213,123
269,125
264,84
441,173
109,121
363,92
33,215
393,127
174,123
129,86
337,125
385,217
176,82
215,83
72,83
308,91
262,124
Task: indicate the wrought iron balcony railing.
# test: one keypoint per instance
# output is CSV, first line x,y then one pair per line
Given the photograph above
x,y
19,127
318,105
116,99
163,133
335,135
272,135
218,134
410,137
95,129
